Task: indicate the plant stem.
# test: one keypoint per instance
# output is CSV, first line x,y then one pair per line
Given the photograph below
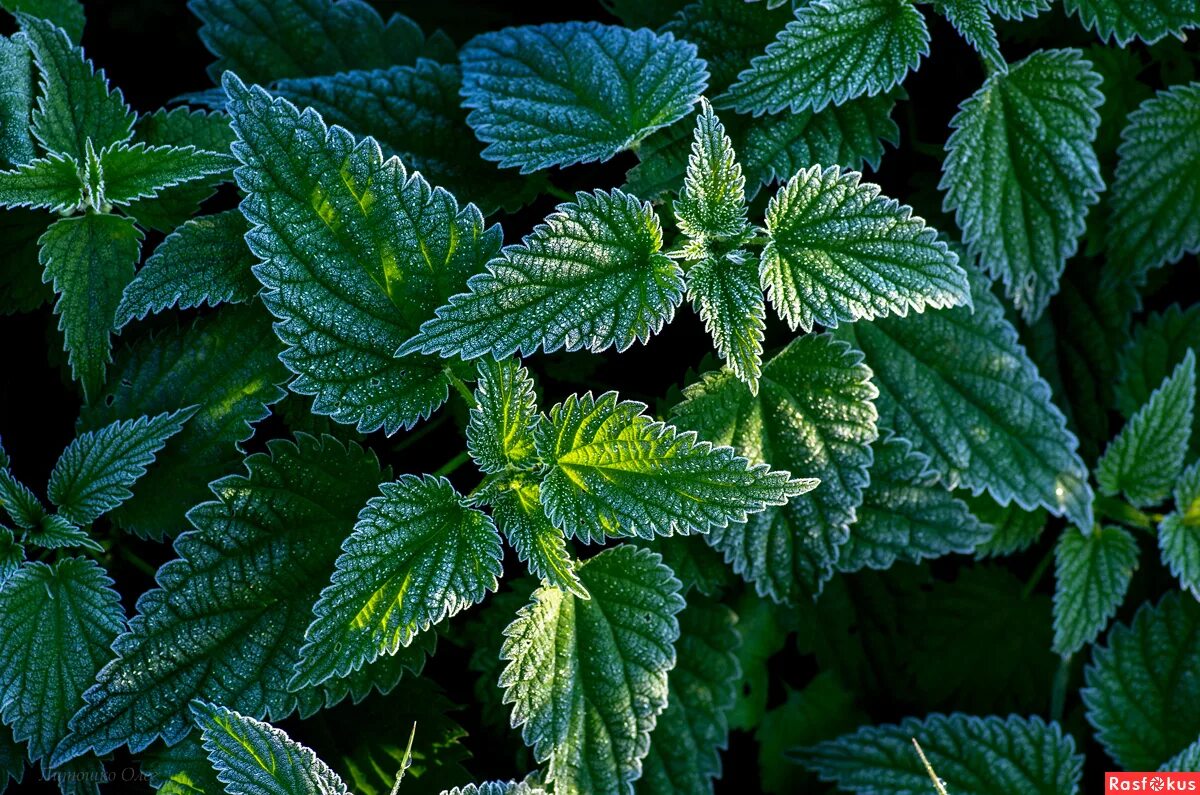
x,y
452,464
559,193
1034,578
461,386
132,558
1121,511
1058,690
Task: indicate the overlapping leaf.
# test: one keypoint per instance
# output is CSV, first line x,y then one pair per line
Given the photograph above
x,y
538,543
1125,20
712,204
726,294
500,428
137,171
970,18
49,183
16,103
1179,531
1092,574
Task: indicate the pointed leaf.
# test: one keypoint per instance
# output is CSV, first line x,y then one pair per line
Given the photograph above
x,y
19,502
813,415
137,171
1017,9
500,429
970,18
1092,574
16,102
50,183
574,92
12,555
1179,531
726,35
66,14
1125,20
726,294
587,679
538,543
1012,529
712,205
58,532
839,251
496,788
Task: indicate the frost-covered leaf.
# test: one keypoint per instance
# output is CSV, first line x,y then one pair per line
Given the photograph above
x,y
712,205
574,92
89,259
16,102
906,514
835,50
538,543
204,261
265,40
57,532
418,555
74,101
1012,528
227,620
355,252
254,758
12,555
726,35
1155,203
958,386
66,14
1187,760
500,429
587,679
838,251
228,364
1092,574
49,183
813,415
591,276
1016,9
94,473
137,171
726,294
1179,531
1125,20
1145,459
56,625
970,18
19,501
972,756
496,788
1020,171
1138,679
181,769
615,471
690,733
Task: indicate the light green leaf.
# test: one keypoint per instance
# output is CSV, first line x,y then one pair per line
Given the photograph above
x,y
496,788
204,261
227,620
89,259
835,50
58,532
501,424
1016,9
136,171
538,543
1125,20
94,473
591,276
839,251
970,18
66,14
74,101
418,555
1155,203
690,733
255,758
958,386
972,756
712,206
906,514
181,769
56,625
1138,679
587,679
614,471
1020,171
1092,573
355,252
50,183
1179,531
16,102
1147,456
813,415
726,294
574,92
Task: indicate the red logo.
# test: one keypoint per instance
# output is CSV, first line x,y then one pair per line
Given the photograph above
x,y
1151,782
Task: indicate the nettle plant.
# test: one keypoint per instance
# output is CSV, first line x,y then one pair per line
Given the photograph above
x,y
884,395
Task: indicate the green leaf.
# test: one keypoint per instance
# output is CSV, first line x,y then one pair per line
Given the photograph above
x,y
94,473
839,251
265,40
906,514
74,101
416,113
16,102
136,171
181,769
1137,681
686,740
813,415
835,50
204,261
56,625
227,620
1092,573
574,92
58,532
726,35
823,710
614,471
726,294
958,386
1125,20
66,14
538,543
1159,345
496,788
501,425
227,363
1155,199
49,183
1179,531
254,758
591,276
19,502
355,252
970,18
1020,171
1013,529
418,555
12,758
1146,458
89,259
1187,760
12,555
972,756
21,286
1016,9
587,679
712,206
